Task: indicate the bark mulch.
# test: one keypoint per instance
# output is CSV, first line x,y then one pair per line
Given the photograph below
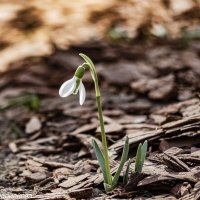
x,y
149,93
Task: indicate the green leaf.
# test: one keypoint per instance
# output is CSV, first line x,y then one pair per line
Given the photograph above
x,y
122,162
144,152
100,159
31,101
125,176
140,157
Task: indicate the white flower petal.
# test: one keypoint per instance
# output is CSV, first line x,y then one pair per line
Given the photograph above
x,y
67,87
82,94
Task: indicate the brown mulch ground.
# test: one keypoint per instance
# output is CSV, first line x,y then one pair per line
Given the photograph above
x,y
149,92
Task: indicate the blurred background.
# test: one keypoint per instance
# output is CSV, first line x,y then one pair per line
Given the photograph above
x,y
146,52
35,28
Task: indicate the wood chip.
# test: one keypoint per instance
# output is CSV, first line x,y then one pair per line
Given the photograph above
x,y
53,164
73,180
37,177
111,128
33,125
175,163
13,147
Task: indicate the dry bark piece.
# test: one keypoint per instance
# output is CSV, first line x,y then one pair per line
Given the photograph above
x,y
33,125
85,128
35,169
167,177
40,148
142,126
173,151
191,110
113,113
191,160
181,122
127,72
53,164
155,179
134,180
135,138
60,174
196,153
187,126
175,163
37,176
161,88
164,145
74,147
33,163
181,190
43,183
73,180
13,147
82,167
81,193
111,128
163,197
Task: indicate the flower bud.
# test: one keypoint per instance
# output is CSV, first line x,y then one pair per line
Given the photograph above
x,y
80,72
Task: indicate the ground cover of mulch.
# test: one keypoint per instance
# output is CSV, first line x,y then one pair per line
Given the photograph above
x,y
148,93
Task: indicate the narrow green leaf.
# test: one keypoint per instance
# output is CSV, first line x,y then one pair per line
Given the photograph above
x,y
122,162
125,176
138,159
100,159
144,152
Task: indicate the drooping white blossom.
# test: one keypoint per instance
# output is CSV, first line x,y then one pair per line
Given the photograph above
x,y
73,86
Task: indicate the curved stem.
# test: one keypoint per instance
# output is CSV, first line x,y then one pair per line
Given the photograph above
x,y
99,104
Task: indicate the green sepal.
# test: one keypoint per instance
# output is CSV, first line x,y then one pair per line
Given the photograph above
x,y
122,162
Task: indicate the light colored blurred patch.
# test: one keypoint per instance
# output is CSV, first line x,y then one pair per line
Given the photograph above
x,y
35,45
62,23
30,28
159,30
180,6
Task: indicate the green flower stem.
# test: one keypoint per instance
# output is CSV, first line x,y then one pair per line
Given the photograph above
x,y
104,141
98,98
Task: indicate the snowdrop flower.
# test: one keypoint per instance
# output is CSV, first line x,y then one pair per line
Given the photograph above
x,y
74,85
